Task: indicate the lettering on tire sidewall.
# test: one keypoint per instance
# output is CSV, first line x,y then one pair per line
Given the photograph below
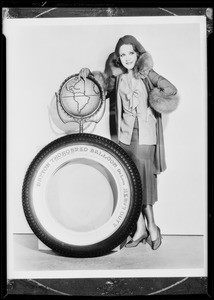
x,y
56,160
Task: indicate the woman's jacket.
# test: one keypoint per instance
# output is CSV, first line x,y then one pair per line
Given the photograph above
x,y
162,96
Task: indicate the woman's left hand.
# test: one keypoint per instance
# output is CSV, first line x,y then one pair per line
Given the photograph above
x,y
84,72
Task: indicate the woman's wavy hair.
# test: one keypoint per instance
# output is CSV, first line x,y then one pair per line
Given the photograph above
x,y
117,61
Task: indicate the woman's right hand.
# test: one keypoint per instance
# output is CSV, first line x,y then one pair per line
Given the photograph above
x,y
84,72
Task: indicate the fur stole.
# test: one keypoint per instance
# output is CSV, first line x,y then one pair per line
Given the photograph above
x,y
101,78
143,66
159,100
162,102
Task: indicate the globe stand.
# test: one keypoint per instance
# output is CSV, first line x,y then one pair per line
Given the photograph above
x,y
81,126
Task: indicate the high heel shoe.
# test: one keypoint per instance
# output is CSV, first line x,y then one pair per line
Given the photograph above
x,y
133,243
127,240
155,244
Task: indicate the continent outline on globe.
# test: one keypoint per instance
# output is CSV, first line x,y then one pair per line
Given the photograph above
x,y
75,89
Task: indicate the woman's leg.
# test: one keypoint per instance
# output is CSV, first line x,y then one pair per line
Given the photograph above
x,y
151,226
141,228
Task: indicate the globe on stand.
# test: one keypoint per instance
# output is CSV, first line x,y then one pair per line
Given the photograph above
x,y
81,98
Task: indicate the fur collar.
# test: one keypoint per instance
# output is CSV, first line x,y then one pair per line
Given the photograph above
x,y
158,100
143,65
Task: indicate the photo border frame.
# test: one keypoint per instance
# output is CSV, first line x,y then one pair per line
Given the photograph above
x,y
39,12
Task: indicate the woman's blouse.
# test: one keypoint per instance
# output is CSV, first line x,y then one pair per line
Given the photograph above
x,y
134,98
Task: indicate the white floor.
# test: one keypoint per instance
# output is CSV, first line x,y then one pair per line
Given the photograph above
x,y
177,256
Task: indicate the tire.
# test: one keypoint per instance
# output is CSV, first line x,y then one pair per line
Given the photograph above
x,y
108,174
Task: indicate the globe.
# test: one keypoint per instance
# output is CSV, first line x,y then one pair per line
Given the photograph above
x,y
80,97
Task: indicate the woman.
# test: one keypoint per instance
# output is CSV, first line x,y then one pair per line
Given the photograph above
x,y
142,96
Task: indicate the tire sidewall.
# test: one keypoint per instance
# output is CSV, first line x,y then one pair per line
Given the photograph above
x,y
123,225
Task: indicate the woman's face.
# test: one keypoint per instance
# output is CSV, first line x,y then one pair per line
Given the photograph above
x,y
128,56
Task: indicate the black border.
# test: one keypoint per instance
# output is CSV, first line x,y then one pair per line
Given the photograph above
x,y
187,8
3,173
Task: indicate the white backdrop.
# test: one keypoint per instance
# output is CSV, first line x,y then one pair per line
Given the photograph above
x,y
41,53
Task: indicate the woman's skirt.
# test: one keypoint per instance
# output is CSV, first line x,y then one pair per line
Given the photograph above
x,y
143,156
